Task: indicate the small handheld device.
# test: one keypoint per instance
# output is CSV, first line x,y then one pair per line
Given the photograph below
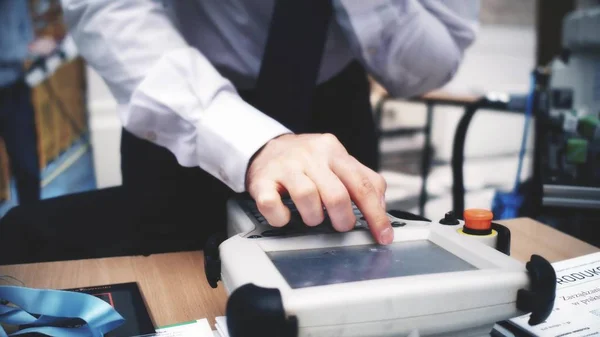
x,y
438,278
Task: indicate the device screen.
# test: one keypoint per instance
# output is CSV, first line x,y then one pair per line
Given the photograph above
x,y
323,266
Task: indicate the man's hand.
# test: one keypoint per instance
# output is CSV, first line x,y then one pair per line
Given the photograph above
x,y
316,171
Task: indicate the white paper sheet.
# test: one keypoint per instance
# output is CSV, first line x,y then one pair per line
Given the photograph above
x,y
199,328
576,310
221,326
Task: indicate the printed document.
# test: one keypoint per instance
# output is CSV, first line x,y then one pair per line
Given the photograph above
x,y
576,310
199,328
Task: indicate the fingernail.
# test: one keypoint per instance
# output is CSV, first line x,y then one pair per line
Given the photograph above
x,y
386,236
383,202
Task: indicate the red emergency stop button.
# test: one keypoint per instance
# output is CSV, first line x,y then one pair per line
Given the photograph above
x,y
478,220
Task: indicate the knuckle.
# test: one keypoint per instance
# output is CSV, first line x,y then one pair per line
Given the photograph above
x,y
366,187
381,220
306,191
381,182
266,204
254,186
329,139
338,200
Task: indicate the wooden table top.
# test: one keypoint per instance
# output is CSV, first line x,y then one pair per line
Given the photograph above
x,y
173,285
175,288
440,96
531,237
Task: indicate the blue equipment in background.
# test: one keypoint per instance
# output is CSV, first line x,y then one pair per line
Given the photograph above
x,y
506,205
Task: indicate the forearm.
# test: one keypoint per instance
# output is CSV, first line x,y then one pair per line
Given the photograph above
x,y
122,40
408,46
167,91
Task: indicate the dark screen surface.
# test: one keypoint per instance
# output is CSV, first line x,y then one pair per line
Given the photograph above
x,y
323,266
127,300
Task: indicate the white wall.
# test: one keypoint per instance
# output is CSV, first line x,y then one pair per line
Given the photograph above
x,y
501,59
106,132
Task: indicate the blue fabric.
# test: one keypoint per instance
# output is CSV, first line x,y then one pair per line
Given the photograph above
x,y
16,32
40,309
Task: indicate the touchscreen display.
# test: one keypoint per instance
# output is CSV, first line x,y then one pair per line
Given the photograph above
x,y
316,267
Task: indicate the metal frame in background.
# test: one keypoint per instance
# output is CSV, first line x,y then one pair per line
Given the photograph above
x,y
551,194
492,101
471,104
430,101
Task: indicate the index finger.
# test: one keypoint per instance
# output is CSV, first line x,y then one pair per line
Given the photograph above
x,y
366,197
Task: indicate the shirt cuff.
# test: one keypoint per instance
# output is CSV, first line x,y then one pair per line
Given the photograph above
x,y
231,132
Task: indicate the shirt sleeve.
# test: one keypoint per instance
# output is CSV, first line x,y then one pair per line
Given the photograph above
x,y
409,46
168,92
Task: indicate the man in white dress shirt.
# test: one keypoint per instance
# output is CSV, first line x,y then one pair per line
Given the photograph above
x,y
267,97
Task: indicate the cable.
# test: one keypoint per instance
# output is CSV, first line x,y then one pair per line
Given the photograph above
x,y
528,114
496,101
458,157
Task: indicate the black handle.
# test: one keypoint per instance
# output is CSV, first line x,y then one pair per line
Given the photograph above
x,y
257,311
503,239
539,300
212,258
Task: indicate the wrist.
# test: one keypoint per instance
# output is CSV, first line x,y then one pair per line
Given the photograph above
x,y
258,152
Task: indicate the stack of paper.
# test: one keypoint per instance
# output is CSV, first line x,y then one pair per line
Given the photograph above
x,y
576,310
221,326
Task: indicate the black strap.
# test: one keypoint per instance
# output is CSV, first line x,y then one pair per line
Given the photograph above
x,y
291,61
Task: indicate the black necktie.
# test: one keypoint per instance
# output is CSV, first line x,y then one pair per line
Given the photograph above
x,y
291,61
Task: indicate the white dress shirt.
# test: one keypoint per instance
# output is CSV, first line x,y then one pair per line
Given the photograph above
x,y
174,66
